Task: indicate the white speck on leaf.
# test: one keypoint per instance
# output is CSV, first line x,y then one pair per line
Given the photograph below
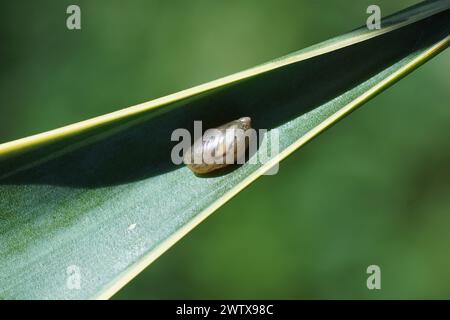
x,y
131,227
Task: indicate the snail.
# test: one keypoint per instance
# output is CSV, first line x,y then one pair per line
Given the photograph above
x,y
219,147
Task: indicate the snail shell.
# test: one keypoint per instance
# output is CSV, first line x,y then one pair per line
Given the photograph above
x,y
220,144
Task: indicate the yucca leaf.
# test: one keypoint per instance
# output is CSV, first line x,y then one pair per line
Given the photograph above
x,y
103,195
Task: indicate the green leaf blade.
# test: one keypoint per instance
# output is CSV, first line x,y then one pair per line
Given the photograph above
x,y
105,197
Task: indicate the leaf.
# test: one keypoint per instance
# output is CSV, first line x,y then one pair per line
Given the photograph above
x,y
99,200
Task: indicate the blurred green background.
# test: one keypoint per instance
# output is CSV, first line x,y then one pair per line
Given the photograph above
x,y
374,189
